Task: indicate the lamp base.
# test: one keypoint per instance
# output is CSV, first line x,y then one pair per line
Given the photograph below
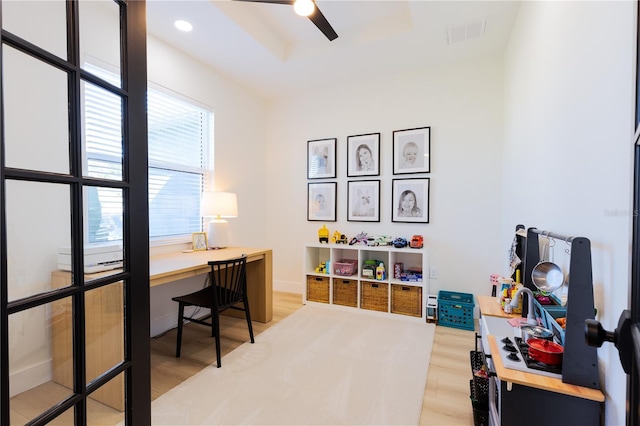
x,y
218,233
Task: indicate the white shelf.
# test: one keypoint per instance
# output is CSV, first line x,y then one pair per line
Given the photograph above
x,y
417,291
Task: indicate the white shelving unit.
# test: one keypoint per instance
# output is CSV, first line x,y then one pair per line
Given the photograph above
x,y
390,295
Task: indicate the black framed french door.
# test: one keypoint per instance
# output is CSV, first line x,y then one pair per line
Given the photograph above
x,y
74,252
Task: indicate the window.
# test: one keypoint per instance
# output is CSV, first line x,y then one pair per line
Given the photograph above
x,y
180,135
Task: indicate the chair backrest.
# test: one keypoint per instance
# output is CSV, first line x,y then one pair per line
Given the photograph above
x,y
229,279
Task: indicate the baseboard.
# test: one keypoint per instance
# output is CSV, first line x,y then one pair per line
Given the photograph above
x,y
167,322
288,286
28,378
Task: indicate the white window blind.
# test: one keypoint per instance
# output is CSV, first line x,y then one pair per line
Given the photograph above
x,y
179,146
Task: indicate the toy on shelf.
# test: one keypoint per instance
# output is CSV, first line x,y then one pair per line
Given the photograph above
x,y
322,268
360,238
411,274
339,238
400,242
382,240
416,241
323,234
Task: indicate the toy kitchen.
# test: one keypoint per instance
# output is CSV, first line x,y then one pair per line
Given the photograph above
x,y
539,372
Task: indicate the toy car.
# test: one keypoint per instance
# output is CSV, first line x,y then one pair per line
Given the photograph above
x,y
339,238
382,240
400,242
416,241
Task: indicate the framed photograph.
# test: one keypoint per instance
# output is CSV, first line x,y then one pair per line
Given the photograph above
x,y
321,205
321,158
412,151
410,200
363,155
364,201
199,241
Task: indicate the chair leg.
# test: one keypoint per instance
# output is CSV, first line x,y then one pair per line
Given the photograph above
x,y
215,327
248,315
180,315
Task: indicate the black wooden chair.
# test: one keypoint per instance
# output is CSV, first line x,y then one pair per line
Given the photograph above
x,y
228,290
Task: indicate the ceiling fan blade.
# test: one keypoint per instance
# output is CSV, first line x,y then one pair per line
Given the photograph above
x,y
270,1
316,17
323,25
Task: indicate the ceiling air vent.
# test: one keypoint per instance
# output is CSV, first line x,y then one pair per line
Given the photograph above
x,y
463,32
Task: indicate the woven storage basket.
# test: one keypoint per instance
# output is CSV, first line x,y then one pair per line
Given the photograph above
x,y
318,289
374,296
345,292
406,300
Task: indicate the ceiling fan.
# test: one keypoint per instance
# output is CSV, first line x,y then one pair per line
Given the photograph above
x,y
314,14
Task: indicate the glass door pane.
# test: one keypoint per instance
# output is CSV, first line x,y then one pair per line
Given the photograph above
x,y
38,224
36,113
100,37
40,338
50,33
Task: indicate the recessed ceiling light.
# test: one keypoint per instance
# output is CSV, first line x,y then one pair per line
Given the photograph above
x,y
183,25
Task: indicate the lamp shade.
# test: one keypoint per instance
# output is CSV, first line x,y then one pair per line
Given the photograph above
x,y
219,204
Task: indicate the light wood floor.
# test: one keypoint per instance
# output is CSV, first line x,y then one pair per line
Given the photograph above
x,y
446,398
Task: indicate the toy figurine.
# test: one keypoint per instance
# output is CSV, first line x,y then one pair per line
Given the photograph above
x,y
360,238
322,268
382,240
416,241
339,238
400,242
323,234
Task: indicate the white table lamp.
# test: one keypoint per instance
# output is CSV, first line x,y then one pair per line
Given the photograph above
x,y
219,205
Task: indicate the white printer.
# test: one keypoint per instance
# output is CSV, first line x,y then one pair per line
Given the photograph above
x,y
97,257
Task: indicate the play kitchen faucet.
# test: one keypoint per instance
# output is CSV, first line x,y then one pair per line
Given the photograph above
x,y
531,316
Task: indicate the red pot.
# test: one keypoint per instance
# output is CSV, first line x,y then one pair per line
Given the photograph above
x,y
545,351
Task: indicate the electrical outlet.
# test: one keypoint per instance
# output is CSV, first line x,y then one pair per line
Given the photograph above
x,y
433,273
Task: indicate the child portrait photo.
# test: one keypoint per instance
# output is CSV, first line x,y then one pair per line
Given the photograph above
x,y
411,151
363,155
410,200
322,202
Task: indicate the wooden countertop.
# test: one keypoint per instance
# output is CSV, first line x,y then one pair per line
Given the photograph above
x,y
539,381
489,306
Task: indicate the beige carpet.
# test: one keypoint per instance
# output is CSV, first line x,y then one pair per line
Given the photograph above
x,y
321,365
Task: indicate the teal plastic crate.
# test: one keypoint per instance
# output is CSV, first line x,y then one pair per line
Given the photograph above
x,y
456,310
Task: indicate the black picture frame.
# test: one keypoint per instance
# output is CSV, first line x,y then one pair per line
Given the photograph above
x,y
402,192
363,155
321,201
363,201
412,151
321,158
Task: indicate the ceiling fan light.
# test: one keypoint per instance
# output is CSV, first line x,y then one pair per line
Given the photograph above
x,y
183,25
304,7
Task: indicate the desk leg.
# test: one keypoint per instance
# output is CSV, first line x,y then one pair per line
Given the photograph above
x,y
260,288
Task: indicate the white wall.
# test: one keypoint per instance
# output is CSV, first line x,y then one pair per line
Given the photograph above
x,y
463,105
240,122
568,145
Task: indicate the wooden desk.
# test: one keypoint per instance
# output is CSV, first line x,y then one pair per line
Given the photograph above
x,y
176,266
104,312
